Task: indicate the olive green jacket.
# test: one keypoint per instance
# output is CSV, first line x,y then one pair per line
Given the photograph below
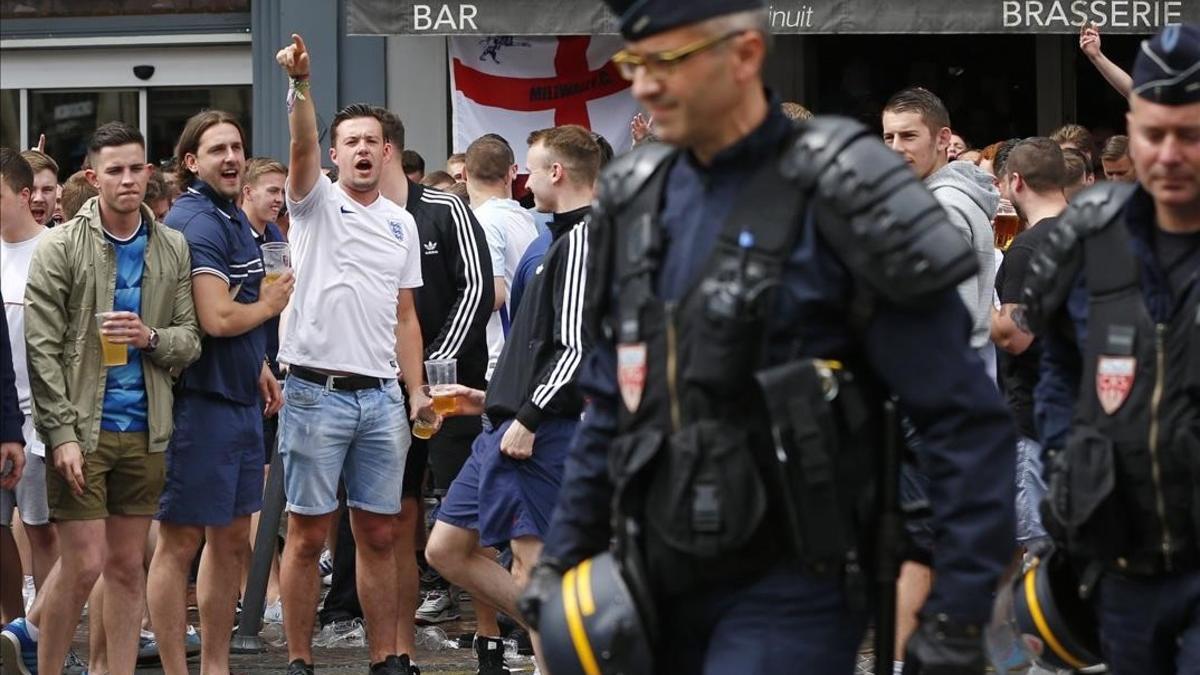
x,y
73,276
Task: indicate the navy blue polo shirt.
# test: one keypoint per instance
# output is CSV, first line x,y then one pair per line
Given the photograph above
x,y
222,244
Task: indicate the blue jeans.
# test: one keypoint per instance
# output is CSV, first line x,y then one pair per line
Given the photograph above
x,y
781,623
1150,626
325,433
1031,490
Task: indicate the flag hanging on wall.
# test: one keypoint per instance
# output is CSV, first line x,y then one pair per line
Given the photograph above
x,y
515,85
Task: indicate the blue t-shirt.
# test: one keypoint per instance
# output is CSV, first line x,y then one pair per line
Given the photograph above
x,y
222,244
125,386
527,268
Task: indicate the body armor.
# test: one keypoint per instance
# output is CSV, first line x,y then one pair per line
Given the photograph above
x,y
732,453
1125,491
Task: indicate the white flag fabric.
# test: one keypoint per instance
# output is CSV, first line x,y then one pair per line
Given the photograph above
x,y
515,85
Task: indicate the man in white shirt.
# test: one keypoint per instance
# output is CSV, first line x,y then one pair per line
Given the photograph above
x,y
489,173
20,233
352,327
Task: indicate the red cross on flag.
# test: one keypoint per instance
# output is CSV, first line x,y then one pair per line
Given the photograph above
x,y
515,85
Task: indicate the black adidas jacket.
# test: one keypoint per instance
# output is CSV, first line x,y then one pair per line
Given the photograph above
x,y
535,375
455,301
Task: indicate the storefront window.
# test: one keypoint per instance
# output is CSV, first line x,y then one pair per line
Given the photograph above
x,y
170,108
10,118
29,9
68,119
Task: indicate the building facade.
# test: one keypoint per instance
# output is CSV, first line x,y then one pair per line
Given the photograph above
x,y
1004,67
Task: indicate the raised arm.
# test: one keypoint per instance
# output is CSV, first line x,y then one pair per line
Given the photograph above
x,y
1089,43
305,163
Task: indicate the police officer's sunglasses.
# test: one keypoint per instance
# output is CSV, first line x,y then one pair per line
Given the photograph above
x,y
661,64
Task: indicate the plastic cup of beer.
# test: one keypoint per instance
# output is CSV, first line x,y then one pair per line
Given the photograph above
x,y
277,259
1006,226
441,374
423,426
111,353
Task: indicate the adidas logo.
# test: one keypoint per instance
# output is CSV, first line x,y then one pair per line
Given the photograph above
x,y
430,247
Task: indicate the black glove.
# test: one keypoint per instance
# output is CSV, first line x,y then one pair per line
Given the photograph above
x,y
544,581
944,647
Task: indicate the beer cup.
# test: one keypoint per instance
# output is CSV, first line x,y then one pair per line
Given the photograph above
x,y
1006,226
441,373
423,427
277,259
111,353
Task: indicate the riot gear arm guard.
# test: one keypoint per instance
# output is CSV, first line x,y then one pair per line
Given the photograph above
x,y
620,185
879,218
1055,267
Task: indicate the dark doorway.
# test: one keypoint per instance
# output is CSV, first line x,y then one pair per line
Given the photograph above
x,y
1098,106
987,82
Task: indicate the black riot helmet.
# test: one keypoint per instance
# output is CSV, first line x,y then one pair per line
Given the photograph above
x,y
1055,625
592,626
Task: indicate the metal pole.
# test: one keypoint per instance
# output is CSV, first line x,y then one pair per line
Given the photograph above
x,y
246,639
891,524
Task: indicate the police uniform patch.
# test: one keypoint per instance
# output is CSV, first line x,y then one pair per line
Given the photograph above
x,y
1114,381
631,373
397,229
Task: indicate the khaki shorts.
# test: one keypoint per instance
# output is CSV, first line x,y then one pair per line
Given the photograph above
x,y
122,477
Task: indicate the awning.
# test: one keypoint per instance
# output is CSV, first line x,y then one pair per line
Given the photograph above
x,y
590,17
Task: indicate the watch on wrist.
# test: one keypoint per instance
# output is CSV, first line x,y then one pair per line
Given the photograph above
x,y
151,342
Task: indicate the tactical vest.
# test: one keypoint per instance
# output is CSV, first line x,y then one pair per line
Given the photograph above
x,y
1126,492
707,416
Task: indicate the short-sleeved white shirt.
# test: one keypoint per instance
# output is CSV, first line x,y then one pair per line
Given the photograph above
x,y
350,262
14,272
510,230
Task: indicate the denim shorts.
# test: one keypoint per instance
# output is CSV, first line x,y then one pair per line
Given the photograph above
x,y
1031,490
325,434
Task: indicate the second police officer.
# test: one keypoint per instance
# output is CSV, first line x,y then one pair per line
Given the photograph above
x,y
759,290
1116,296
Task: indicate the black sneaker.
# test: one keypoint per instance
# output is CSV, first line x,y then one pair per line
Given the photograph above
x,y
299,667
490,652
395,665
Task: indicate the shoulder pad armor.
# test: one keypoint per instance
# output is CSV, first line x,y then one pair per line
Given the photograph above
x,y
625,175
876,214
1055,266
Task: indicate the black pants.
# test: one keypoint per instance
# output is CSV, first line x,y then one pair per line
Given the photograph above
x,y
341,604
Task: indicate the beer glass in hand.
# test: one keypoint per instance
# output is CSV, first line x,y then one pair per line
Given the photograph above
x,y
441,374
111,353
277,260
1006,226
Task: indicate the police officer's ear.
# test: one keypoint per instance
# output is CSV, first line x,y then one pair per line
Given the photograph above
x,y
750,51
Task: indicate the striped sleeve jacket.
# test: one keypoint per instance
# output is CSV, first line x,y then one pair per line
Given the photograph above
x,y
535,376
455,302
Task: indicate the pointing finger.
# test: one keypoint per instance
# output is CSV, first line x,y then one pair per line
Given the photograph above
x,y
299,42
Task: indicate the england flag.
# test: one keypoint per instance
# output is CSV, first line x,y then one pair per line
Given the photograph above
x,y
515,85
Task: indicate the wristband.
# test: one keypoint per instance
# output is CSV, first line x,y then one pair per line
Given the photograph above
x,y
297,88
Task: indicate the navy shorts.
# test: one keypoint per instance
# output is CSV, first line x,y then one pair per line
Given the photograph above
x,y
504,498
214,462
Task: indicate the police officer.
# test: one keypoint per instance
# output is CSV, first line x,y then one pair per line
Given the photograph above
x,y
759,290
1116,295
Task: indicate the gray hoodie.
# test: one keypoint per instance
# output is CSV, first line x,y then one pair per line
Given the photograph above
x,y
970,198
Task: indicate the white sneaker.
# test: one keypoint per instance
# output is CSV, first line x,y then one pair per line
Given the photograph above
x,y
273,613
439,607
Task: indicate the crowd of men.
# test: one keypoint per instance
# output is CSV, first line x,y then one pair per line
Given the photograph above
x,y
632,353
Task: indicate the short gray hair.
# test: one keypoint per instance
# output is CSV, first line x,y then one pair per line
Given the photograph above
x,y
757,20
